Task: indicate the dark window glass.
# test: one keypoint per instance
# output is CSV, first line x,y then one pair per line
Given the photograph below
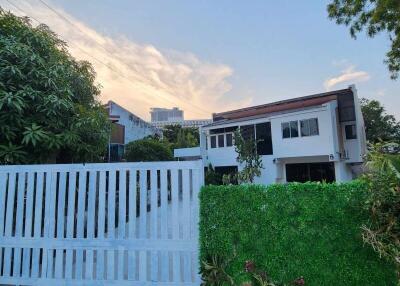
x,y
351,132
213,142
309,127
230,129
221,140
247,132
229,140
310,172
305,128
264,139
313,126
285,130
223,130
294,129
216,131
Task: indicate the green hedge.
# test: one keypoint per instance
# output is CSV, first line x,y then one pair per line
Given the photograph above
x,y
310,230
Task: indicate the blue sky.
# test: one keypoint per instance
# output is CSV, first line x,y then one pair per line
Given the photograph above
x,y
246,52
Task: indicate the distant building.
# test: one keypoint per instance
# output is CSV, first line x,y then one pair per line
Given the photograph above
x,y
160,117
165,114
184,123
127,127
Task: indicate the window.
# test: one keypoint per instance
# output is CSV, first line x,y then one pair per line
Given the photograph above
x,y
294,129
229,140
247,132
264,139
213,141
314,172
285,130
221,140
351,132
309,127
290,129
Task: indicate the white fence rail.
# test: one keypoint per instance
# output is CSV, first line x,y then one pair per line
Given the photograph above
x,y
99,224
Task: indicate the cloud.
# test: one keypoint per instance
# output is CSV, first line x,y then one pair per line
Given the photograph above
x,y
348,75
381,92
140,76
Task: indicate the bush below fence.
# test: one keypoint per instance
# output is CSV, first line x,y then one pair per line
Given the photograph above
x,y
310,230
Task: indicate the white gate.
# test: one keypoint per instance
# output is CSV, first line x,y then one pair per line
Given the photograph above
x,y
100,224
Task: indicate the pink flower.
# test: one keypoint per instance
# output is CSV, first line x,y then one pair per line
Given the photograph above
x,y
249,266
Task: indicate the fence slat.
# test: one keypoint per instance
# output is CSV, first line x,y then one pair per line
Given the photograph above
x,y
70,222
101,224
60,223
176,265
37,227
50,177
80,224
90,222
186,222
164,223
19,221
3,191
143,224
121,220
132,222
153,224
111,223
28,223
197,184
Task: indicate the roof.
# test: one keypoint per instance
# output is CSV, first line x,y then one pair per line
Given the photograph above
x,y
283,105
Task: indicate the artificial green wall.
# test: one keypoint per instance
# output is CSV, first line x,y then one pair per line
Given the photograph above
x,y
310,230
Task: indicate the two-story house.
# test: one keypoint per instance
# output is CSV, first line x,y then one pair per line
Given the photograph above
x,y
127,127
318,137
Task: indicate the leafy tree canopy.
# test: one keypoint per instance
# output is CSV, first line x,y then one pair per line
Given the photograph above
x,y
49,110
147,150
181,137
248,157
379,125
375,16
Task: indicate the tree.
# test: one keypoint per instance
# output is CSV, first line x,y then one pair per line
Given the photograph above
x,y
375,16
248,156
383,202
49,111
379,125
181,137
147,150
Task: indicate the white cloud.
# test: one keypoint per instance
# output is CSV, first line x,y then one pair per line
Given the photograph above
x,y
348,75
381,92
151,77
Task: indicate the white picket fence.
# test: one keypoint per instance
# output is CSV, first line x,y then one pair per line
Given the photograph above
x,y
100,224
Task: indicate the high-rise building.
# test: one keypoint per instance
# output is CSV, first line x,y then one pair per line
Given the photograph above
x,y
166,114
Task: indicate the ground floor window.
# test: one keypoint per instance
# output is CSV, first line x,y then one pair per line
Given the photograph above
x,y
304,172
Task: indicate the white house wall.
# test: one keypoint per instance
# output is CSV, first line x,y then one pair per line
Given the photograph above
x,y
135,128
310,149
322,144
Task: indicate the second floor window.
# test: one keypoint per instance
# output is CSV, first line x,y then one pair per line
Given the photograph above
x,y
290,129
229,140
309,127
221,141
350,131
213,142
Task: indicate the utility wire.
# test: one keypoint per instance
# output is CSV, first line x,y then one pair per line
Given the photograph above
x,y
105,49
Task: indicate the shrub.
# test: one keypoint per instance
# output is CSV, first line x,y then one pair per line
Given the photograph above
x,y
310,230
147,150
383,203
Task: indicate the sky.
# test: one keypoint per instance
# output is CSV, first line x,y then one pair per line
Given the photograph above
x,y
213,56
